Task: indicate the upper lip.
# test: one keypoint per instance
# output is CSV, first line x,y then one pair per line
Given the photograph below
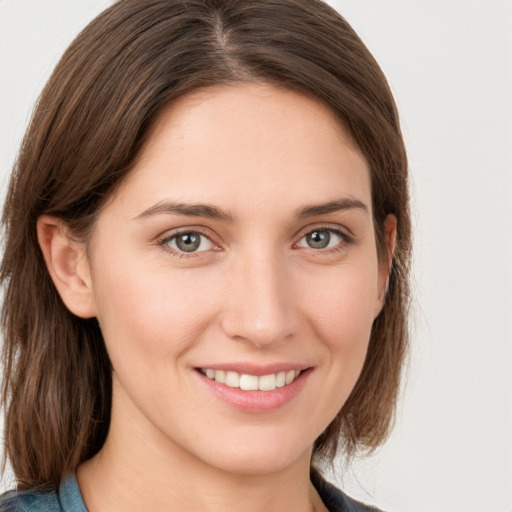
x,y
255,369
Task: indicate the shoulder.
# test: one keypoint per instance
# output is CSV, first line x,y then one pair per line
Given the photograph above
x,y
66,499
334,499
30,501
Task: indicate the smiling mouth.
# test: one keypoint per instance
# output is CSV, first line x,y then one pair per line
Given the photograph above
x,y
249,382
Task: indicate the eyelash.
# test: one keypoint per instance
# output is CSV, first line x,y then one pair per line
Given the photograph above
x,y
164,241
345,239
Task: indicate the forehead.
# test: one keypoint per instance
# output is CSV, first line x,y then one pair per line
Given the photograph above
x,y
248,145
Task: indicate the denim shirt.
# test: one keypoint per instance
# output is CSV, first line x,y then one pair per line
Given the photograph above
x,y
69,499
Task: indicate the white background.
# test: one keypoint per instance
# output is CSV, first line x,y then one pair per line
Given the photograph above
x,y
449,63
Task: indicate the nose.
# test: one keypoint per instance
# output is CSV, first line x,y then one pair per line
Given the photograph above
x,y
260,306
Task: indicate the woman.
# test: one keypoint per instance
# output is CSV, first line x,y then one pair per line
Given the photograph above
x,y
207,250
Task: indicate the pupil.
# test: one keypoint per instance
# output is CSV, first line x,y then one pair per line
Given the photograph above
x,y
318,239
188,242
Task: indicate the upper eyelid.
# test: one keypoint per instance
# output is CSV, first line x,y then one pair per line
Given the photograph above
x,y
343,231
172,233
163,243
346,240
164,239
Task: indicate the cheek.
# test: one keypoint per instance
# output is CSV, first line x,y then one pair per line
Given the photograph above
x,y
155,312
341,315
344,307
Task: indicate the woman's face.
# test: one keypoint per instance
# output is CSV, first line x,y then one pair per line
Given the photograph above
x,y
239,253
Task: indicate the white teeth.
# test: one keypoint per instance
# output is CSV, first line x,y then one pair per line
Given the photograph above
x,y
232,379
290,376
248,382
251,382
267,382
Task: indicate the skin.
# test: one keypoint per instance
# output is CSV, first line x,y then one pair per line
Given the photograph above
x,y
255,292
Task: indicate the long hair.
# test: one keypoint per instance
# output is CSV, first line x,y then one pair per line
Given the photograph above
x,y
90,123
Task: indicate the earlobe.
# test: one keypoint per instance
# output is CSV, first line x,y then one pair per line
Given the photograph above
x,y
390,233
67,264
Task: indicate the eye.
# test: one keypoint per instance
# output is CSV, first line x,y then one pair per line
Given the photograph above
x,y
322,238
188,241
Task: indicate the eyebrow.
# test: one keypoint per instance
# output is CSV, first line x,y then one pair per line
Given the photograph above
x,y
188,209
210,211
331,207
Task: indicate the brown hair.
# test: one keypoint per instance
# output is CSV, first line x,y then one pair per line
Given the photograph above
x,y
90,123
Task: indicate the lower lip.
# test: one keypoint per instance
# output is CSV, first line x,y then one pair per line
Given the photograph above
x,y
256,401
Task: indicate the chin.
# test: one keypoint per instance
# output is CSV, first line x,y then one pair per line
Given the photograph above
x,y
259,456
258,464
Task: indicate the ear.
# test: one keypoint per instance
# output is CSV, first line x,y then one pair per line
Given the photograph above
x,y
390,226
67,263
